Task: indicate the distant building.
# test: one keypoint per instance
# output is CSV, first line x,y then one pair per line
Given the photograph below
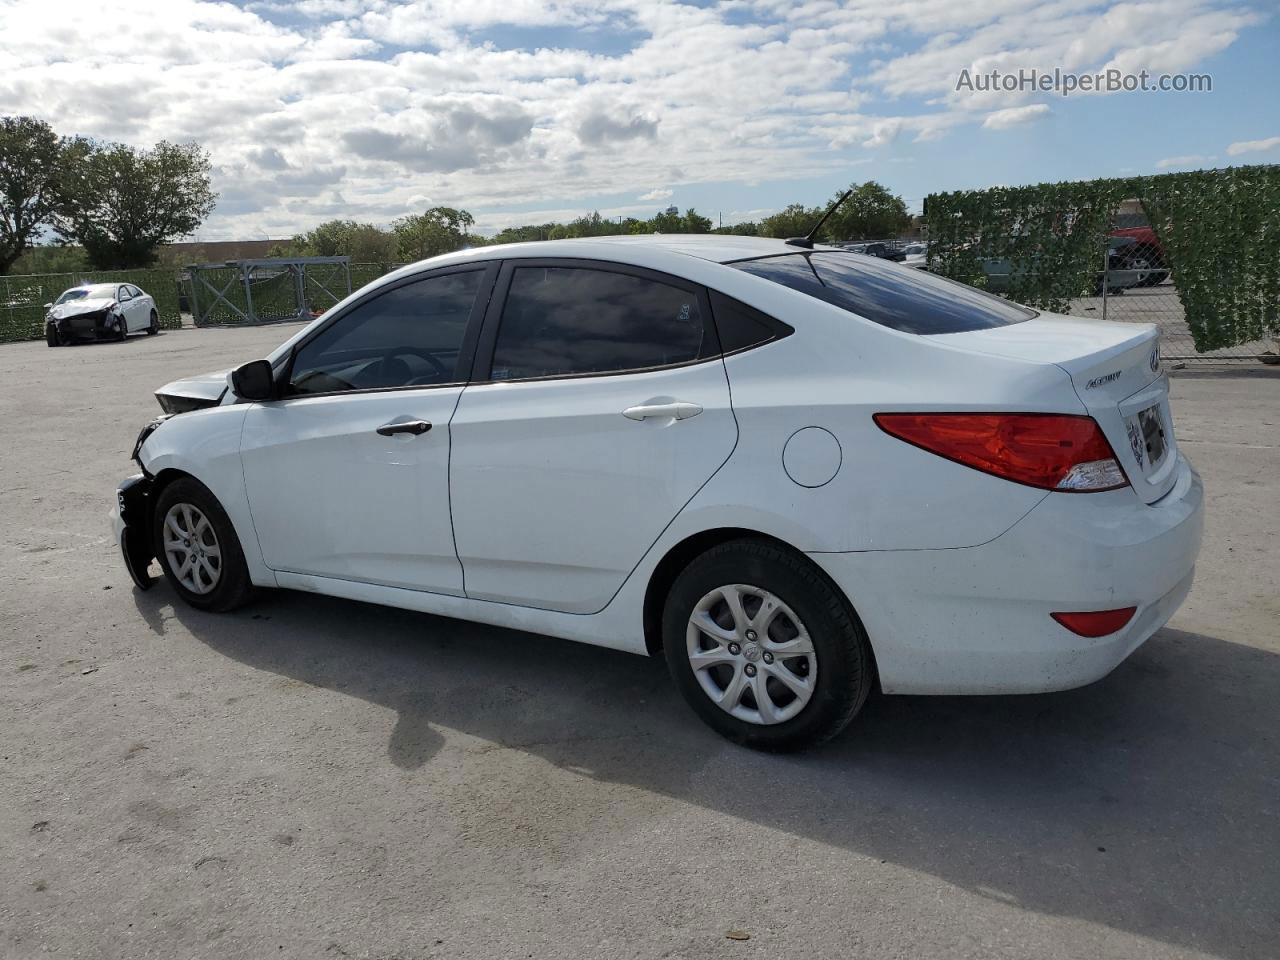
x,y
673,210
216,251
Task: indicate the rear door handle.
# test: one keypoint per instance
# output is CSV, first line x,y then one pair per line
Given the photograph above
x,y
415,427
679,410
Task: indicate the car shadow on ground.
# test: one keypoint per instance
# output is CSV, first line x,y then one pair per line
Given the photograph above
x,y
1146,802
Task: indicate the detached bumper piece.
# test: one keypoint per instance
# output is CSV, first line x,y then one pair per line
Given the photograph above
x,y
133,500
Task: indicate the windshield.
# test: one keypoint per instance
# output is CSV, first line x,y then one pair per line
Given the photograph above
x,y
73,295
912,301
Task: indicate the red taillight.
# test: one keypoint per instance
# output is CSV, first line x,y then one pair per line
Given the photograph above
x,y
1095,624
1048,450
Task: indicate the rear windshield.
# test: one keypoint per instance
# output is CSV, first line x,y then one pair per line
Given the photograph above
x,y
903,298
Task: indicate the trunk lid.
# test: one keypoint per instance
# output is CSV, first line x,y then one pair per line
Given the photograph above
x,y
1116,371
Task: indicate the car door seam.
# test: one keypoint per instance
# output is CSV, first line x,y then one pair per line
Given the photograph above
x,y
248,498
737,435
448,485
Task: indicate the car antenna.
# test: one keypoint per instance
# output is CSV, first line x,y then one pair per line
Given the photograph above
x,y
807,241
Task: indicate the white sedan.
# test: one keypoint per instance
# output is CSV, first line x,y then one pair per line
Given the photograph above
x,y
796,473
100,311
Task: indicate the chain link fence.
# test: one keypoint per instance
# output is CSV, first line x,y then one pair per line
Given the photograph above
x,y
1138,287
230,294
24,300
1133,284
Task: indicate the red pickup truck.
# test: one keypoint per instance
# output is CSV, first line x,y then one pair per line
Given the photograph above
x,y
1145,247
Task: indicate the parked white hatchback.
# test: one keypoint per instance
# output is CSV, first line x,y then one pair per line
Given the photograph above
x,y
796,472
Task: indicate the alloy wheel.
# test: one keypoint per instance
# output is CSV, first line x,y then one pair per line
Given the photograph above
x,y
751,654
192,547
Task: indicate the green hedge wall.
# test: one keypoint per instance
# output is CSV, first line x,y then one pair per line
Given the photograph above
x,y
1220,230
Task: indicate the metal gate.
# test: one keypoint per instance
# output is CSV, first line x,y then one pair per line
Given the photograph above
x,y
271,290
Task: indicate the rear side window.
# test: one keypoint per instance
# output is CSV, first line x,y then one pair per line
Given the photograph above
x,y
741,326
903,298
560,321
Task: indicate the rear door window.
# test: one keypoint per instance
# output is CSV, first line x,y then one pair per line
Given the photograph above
x,y
565,321
902,298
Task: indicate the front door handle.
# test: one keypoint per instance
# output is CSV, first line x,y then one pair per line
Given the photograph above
x,y
678,409
415,427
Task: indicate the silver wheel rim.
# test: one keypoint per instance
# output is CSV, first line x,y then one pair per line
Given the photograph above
x,y
751,654
195,556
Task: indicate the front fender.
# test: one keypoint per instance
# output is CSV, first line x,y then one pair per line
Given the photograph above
x,y
205,444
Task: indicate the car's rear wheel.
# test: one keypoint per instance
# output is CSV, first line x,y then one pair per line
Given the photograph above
x,y
198,548
764,647
154,328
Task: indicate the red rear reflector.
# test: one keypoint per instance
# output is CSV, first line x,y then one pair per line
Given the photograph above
x,y
1097,624
1047,450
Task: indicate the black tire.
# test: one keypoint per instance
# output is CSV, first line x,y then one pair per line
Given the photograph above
x,y
51,336
232,588
155,325
122,330
845,666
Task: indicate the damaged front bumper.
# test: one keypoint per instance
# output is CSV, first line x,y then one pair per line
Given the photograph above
x,y
95,325
131,523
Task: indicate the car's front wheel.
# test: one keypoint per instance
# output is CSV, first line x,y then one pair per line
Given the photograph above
x,y
51,336
198,548
764,647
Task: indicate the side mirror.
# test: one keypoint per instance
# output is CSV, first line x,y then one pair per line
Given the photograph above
x,y
254,380
48,306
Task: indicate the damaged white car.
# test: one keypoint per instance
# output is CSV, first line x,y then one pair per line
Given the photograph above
x,y
100,311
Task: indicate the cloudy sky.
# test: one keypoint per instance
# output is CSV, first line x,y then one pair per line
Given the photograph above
x,y
529,110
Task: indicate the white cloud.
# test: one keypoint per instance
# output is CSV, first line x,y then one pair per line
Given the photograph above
x,y
1253,146
655,195
1190,160
1014,116
361,108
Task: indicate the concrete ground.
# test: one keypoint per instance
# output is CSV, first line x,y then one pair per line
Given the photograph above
x,y
314,778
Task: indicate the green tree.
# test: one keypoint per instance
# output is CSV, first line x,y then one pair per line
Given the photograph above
x,y
125,202
748,229
795,220
870,213
524,234
694,222
35,167
438,230
362,242
590,225
51,258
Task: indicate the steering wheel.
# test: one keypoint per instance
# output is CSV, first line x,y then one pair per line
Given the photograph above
x,y
441,372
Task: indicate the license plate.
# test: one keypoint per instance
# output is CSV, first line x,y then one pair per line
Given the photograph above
x,y
1152,428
